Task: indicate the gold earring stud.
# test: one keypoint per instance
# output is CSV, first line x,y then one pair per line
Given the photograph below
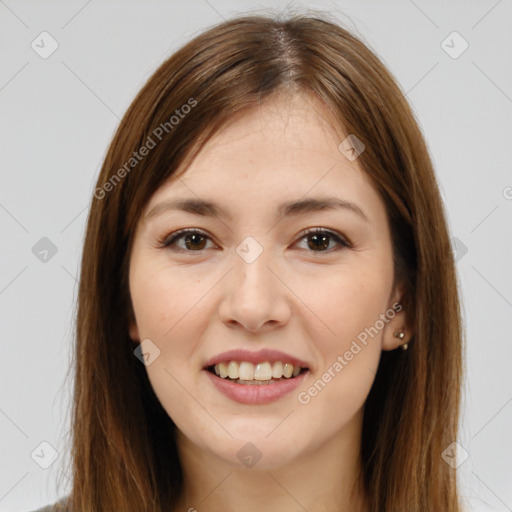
x,y
401,335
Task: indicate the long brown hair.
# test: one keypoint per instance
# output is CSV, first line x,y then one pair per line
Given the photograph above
x,y
123,454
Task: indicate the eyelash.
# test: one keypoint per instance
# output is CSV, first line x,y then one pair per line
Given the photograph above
x,y
171,239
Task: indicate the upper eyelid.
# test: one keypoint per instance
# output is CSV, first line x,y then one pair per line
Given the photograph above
x,y
173,236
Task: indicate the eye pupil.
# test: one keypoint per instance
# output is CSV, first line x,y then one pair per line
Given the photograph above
x,y
319,241
195,237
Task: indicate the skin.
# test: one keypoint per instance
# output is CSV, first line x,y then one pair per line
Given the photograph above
x,y
311,304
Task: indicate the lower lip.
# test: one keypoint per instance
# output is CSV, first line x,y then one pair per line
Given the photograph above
x,y
254,393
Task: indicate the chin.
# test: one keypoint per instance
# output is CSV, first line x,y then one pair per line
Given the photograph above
x,y
260,449
258,454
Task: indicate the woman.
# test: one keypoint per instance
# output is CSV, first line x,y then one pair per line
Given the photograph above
x,y
268,312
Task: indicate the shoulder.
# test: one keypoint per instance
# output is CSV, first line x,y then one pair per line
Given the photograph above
x,y
60,506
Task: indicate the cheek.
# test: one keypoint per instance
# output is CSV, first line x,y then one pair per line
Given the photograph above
x,y
168,312
350,306
170,305
160,299
348,302
351,303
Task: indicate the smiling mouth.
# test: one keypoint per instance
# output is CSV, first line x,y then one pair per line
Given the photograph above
x,y
244,372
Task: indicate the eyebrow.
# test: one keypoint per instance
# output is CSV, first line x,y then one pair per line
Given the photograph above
x,y
205,208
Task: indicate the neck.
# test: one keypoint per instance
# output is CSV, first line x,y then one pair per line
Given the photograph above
x,y
326,479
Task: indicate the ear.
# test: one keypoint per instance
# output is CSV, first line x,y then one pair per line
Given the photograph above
x,y
132,327
134,332
399,321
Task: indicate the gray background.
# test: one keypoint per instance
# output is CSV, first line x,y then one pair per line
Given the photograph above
x,y
57,116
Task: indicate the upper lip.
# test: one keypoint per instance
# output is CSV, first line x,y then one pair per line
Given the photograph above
x,y
258,356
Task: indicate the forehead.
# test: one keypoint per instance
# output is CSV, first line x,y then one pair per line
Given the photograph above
x,y
285,127
280,151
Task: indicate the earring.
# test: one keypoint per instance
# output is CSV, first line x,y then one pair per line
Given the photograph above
x,y
401,335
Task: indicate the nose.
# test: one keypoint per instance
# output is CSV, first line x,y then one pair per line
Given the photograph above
x,y
254,297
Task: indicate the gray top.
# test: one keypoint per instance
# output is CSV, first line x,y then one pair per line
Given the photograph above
x,y
59,506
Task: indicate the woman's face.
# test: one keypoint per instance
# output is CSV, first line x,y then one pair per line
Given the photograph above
x,y
252,281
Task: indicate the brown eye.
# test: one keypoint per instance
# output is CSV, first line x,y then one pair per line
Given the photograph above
x,y
194,240
319,240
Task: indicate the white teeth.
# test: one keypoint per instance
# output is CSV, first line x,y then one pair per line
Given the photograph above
x,y
246,371
233,370
287,370
264,371
223,369
277,370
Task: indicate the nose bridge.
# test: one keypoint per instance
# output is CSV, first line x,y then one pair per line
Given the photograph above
x,y
251,267
254,296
